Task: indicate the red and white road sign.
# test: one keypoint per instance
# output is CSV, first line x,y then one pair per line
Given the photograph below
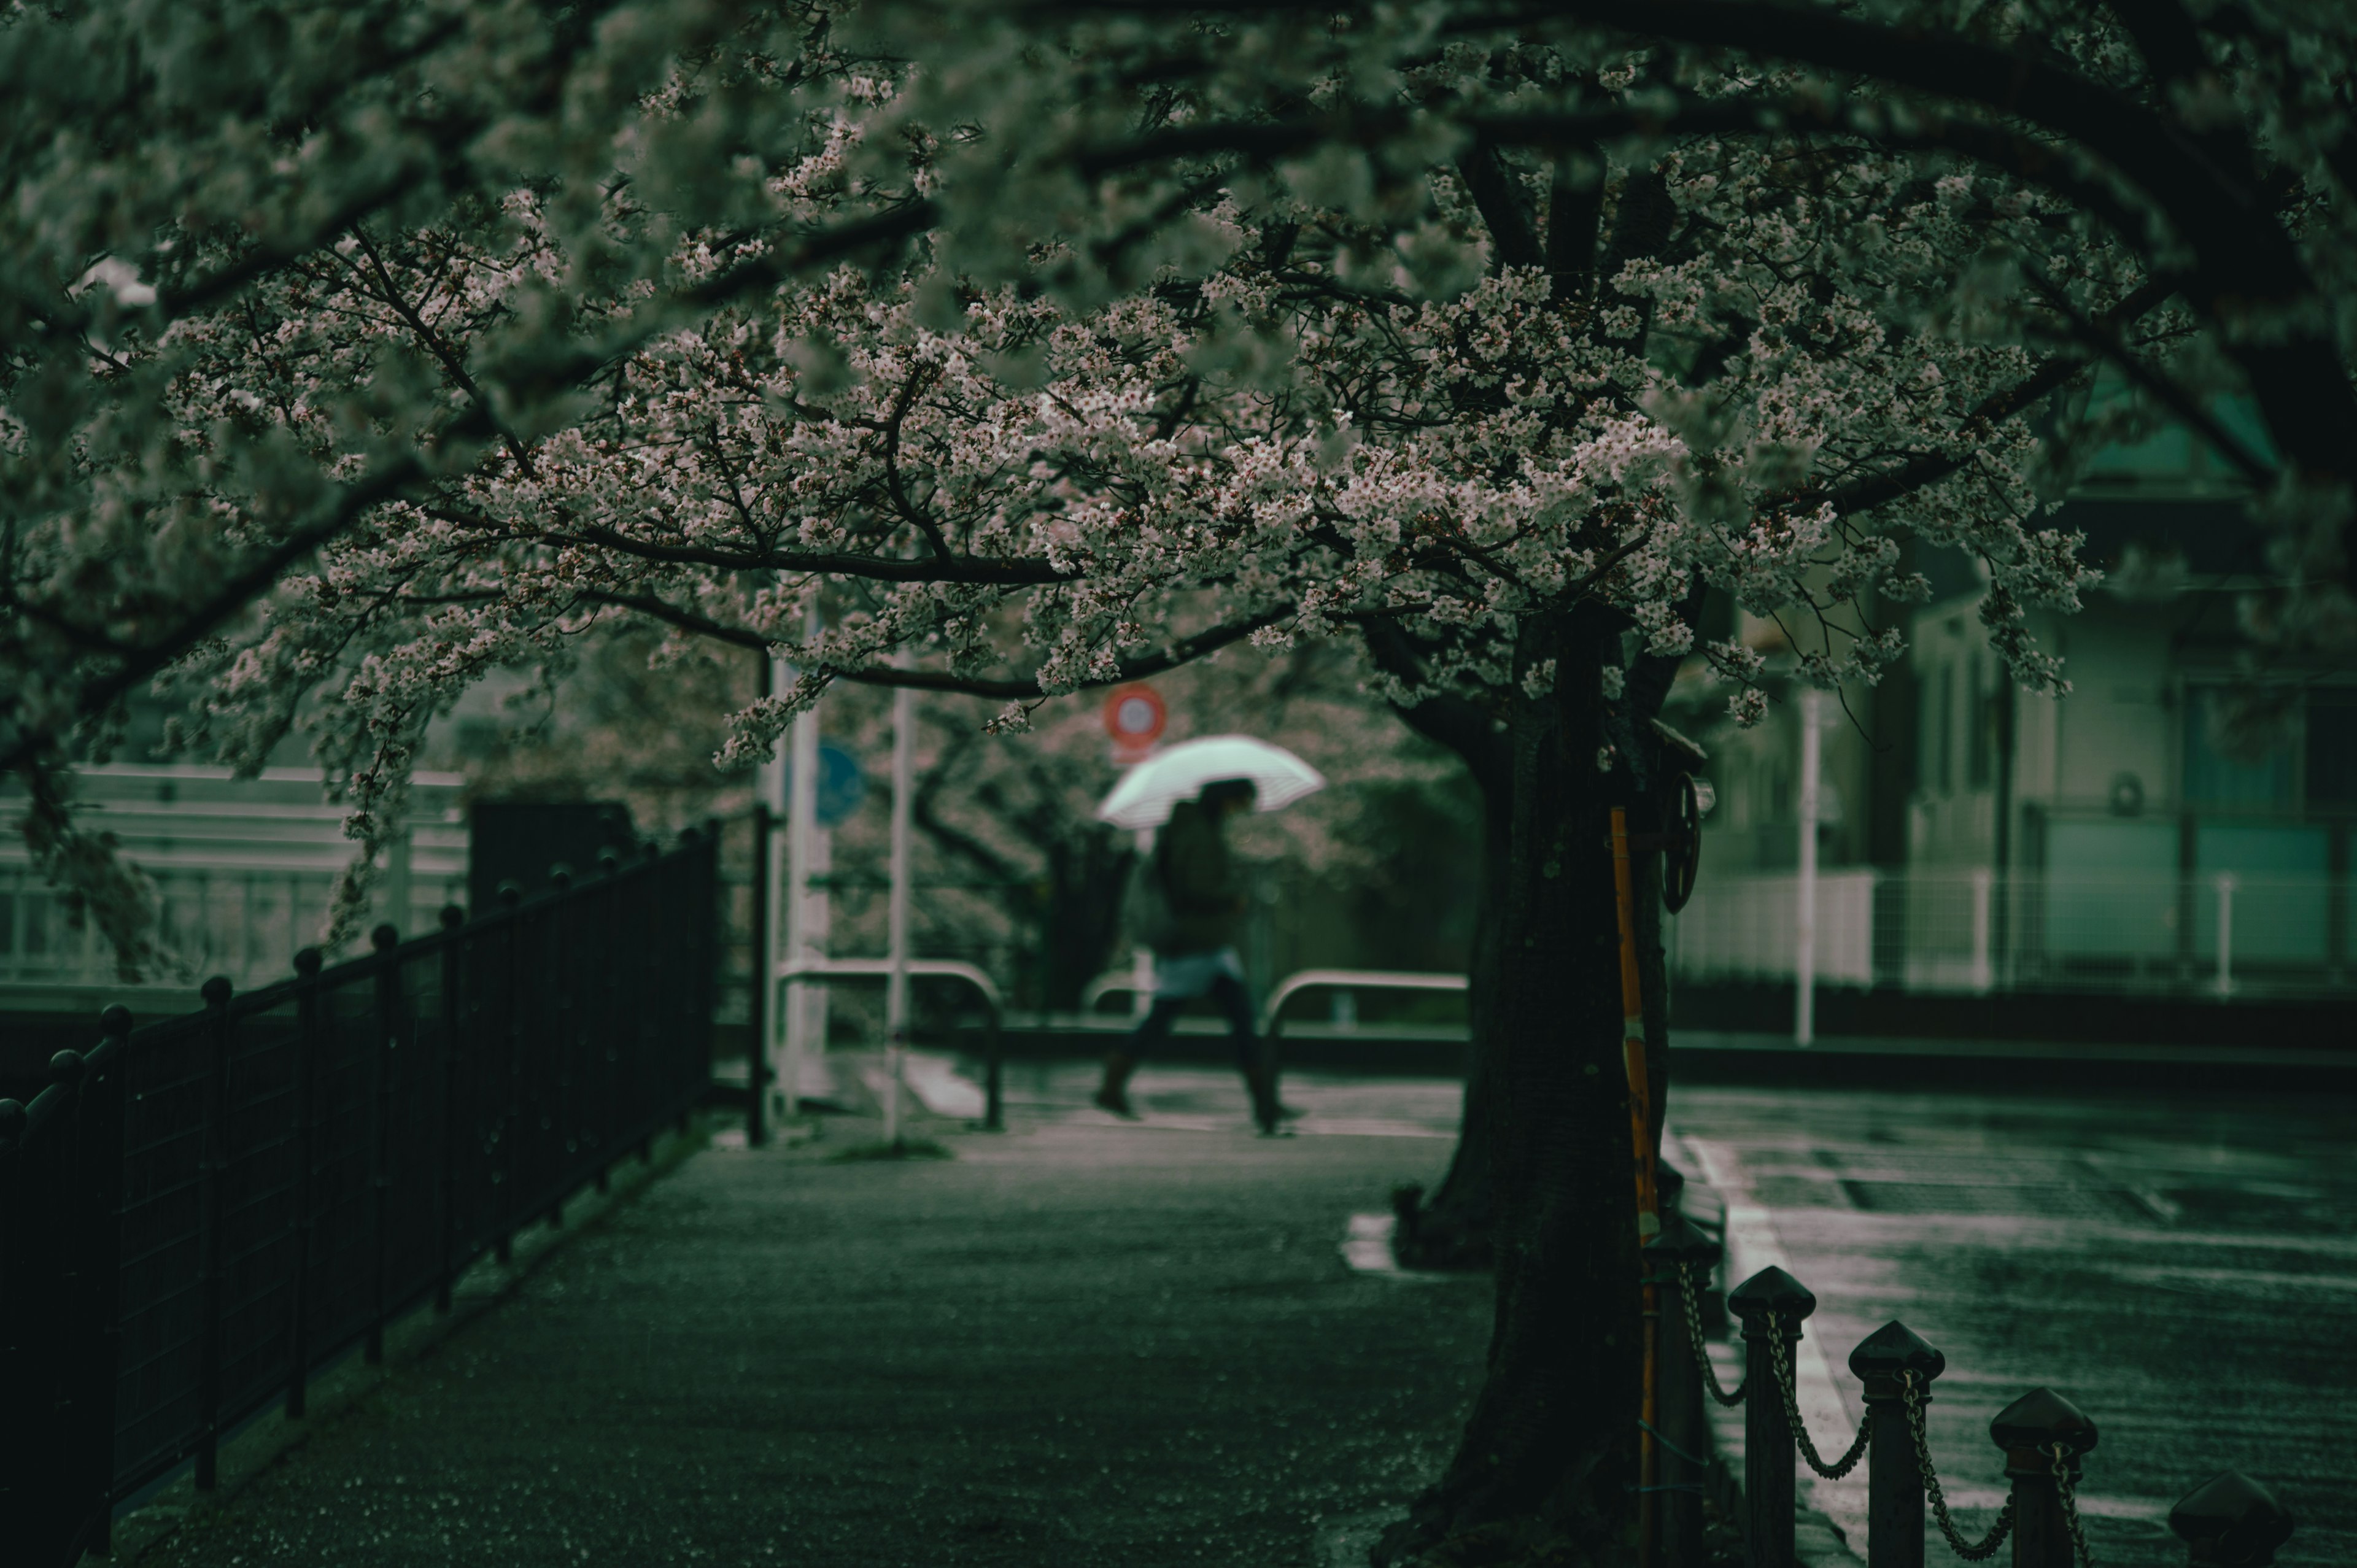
x,y
1135,717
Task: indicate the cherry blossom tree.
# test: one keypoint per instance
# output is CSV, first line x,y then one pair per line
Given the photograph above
x,y
1486,342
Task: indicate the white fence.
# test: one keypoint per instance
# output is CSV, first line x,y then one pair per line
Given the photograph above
x,y
1973,931
244,870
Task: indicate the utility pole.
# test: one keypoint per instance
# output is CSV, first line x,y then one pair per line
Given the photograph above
x,y
896,985
802,824
1804,917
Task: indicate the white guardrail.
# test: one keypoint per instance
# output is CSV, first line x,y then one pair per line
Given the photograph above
x,y
2217,932
1138,982
243,870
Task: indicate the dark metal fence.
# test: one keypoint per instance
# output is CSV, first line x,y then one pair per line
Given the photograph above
x,y
198,1214
2228,1520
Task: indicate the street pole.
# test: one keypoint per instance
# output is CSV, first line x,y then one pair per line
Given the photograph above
x,y
896,985
1804,917
769,782
801,822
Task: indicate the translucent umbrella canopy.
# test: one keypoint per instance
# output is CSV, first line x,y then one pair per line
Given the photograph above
x,y
1146,792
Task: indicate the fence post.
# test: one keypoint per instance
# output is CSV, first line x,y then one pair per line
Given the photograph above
x,y
2030,1429
16,1478
102,1132
216,995
503,1248
446,1176
1684,1436
604,956
556,974
384,939
2231,1521
306,1076
1771,1304
1894,1479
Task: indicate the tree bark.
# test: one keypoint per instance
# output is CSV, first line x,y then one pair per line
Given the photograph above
x,y
1453,1229
1546,1470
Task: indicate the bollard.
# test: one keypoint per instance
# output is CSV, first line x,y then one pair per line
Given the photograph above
x,y
2232,1522
1771,1304
1894,1478
1685,1432
2028,1430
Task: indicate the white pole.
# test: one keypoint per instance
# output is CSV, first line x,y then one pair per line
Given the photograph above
x,y
2225,885
802,824
896,985
1983,880
1804,917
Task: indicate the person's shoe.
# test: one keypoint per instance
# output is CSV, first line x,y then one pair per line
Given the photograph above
x,y
1269,1114
1112,1093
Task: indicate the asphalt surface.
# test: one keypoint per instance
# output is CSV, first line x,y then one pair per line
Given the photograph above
x,y
1079,1343
1084,1342
2181,1267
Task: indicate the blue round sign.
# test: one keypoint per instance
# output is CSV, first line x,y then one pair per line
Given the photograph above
x,y
841,785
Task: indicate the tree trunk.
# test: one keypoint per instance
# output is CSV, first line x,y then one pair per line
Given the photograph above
x,y
1454,1230
1546,1468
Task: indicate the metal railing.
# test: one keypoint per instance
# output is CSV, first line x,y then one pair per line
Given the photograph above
x,y
2230,1520
1347,981
196,1214
920,969
1272,1017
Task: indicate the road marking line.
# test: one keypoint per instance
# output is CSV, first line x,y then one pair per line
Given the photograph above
x,y
1752,1245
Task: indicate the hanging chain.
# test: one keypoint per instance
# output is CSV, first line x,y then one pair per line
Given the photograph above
x,y
1966,1549
1779,1357
2064,1489
1687,1294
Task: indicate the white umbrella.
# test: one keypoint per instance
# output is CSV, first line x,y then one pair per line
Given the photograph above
x,y
1146,792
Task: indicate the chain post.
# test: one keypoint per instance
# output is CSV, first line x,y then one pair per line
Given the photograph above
x,y
1673,1257
1894,1484
306,1080
1772,1305
2042,1435
2231,1521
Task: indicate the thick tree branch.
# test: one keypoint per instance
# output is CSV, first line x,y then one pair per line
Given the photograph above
x,y
978,571
1185,651
1498,194
240,590
1917,472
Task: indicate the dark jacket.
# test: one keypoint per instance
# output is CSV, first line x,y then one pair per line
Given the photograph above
x,y
1200,881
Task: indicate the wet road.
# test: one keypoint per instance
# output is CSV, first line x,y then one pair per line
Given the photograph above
x,y
2183,1268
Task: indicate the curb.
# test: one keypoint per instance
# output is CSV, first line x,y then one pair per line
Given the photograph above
x,y
158,1513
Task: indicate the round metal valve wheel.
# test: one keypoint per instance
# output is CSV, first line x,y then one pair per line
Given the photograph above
x,y
1681,842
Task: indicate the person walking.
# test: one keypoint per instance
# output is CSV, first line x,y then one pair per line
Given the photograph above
x,y
1185,904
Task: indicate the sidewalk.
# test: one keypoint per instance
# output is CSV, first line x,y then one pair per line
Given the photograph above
x,y
1077,1343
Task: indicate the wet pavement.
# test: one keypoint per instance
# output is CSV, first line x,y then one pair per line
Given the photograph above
x,y
1080,1344
1088,1343
2183,1268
